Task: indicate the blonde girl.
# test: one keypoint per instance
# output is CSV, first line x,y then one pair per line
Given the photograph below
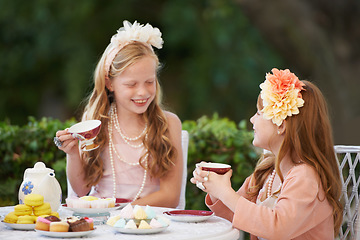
x,y
140,155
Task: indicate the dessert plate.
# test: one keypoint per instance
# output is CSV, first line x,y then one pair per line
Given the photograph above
x,y
140,231
64,234
189,215
20,226
120,203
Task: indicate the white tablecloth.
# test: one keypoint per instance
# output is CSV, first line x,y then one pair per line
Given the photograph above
x,y
214,228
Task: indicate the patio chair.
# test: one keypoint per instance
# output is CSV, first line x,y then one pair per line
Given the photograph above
x,y
349,165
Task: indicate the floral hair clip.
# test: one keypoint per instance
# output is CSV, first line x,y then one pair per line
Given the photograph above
x,y
133,33
281,95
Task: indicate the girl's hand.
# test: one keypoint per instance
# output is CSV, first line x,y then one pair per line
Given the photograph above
x,y
213,183
68,143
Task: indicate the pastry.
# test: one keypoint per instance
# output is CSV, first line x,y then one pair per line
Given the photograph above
x,y
155,223
79,225
34,199
59,227
140,214
53,218
91,222
144,225
22,209
44,209
25,220
42,224
11,218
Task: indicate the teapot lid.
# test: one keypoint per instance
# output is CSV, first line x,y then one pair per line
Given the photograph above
x,y
40,167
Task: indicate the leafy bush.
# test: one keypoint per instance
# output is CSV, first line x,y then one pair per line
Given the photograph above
x,y
218,140
22,147
211,139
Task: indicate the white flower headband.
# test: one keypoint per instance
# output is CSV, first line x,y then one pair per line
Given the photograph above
x,y
281,95
132,33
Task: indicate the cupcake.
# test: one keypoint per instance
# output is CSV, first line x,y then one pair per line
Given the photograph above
x,y
79,225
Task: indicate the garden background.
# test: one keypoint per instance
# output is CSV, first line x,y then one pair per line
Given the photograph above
x,y
216,53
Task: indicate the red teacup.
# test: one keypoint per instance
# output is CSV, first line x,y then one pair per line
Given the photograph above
x,y
86,131
219,168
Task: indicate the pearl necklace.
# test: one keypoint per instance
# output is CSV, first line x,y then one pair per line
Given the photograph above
x,y
112,147
270,183
124,137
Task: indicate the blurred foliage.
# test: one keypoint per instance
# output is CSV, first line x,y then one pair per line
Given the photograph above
x,y
21,147
211,139
218,140
213,58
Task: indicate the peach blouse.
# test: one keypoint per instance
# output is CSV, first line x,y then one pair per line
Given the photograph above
x,y
300,212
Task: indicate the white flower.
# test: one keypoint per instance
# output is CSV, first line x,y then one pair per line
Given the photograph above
x,y
139,33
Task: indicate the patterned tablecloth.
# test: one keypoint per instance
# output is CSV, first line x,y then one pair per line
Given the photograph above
x,y
214,228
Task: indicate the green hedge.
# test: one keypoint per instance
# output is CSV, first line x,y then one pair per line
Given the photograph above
x,y
211,139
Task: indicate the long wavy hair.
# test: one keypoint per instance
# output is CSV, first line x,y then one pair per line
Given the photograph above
x,y
309,136
158,145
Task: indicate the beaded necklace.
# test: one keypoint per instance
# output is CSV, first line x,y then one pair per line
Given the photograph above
x,y
124,137
271,180
112,149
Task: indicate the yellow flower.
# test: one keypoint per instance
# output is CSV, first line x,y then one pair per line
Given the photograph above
x,y
281,95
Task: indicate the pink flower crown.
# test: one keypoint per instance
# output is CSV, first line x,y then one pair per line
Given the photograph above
x,y
281,95
132,33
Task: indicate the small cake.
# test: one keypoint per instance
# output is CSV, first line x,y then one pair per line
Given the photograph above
x,y
43,209
90,221
11,217
140,214
53,218
42,224
150,212
155,223
131,225
27,219
79,225
59,226
22,209
144,225
120,223
127,211
34,199
89,198
111,202
112,220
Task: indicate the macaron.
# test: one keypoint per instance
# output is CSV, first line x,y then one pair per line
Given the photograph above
x,y
22,209
44,209
34,199
11,218
27,219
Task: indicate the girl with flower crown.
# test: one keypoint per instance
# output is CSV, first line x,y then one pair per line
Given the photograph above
x,y
140,155
295,189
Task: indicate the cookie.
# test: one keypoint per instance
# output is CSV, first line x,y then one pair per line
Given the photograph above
x,y
44,209
22,209
34,199
11,218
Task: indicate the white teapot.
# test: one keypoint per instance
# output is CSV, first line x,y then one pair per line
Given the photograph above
x,y
41,180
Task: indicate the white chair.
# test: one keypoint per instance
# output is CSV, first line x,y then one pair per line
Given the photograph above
x,y
349,165
184,146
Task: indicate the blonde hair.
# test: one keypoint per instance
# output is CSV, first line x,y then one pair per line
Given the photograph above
x,y
159,145
309,136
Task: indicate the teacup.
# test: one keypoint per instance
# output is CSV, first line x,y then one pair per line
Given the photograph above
x,y
219,168
86,132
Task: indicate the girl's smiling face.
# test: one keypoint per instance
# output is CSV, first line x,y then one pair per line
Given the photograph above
x,y
135,88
